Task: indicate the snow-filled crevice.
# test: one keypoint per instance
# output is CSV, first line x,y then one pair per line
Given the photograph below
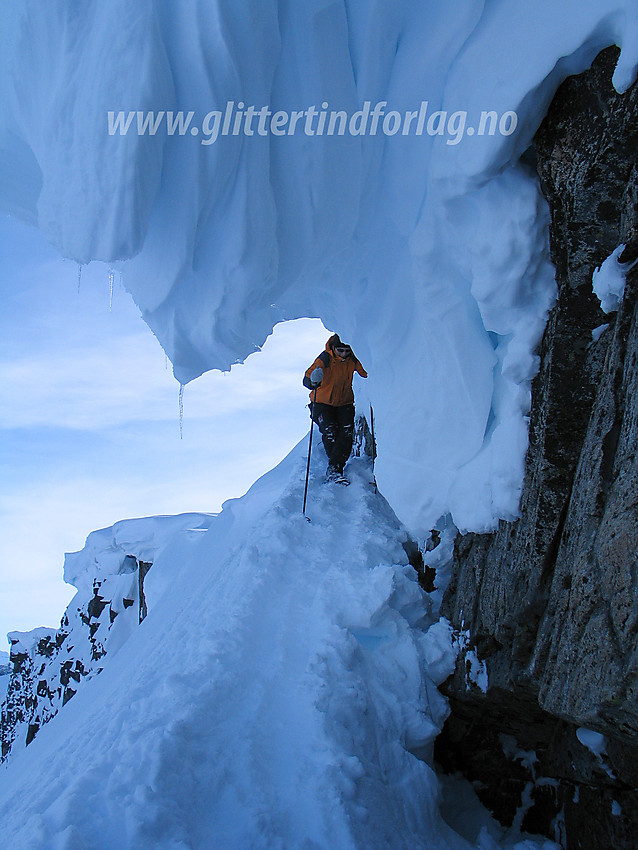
x,y
414,248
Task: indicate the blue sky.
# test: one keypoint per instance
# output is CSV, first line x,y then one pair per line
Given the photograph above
x,y
90,421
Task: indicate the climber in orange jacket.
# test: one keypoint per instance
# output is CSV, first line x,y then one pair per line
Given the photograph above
x,y
332,408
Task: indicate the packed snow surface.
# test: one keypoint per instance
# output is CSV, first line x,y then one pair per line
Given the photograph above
x,y
281,692
428,253
273,697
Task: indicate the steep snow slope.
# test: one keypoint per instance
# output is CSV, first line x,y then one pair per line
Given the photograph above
x,y
427,252
270,699
274,697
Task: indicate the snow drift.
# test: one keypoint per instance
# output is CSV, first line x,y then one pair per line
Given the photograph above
x,y
277,695
429,257
281,692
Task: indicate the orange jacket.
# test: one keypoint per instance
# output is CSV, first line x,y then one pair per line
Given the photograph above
x,y
336,386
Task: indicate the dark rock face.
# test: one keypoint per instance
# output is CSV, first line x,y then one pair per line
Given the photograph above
x,y
551,601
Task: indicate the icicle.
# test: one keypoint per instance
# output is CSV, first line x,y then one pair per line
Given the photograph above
x,y
181,411
111,283
166,362
79,275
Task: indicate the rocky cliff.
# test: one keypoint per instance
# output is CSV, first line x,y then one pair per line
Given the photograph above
x,y
549,600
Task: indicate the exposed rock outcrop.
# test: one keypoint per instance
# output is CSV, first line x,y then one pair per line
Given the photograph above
x,y
550,601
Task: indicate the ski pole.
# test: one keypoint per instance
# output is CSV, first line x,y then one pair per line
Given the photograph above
x,y
312,422
374,447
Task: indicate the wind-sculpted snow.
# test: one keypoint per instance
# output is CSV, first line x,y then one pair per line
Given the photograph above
x,y
427,252
274,696
281,692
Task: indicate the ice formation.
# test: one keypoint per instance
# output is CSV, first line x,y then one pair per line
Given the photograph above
x,y
429,256
427,253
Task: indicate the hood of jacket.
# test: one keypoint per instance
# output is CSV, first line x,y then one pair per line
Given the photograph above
x,y
335,341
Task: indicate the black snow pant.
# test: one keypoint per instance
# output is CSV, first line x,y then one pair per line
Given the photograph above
x,y
337,430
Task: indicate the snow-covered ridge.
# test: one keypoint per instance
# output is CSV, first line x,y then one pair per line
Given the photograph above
x,y
115,590
430,258
258,667
281,692
106,551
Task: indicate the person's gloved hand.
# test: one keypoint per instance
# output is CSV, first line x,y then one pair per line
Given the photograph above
x,y
316,376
